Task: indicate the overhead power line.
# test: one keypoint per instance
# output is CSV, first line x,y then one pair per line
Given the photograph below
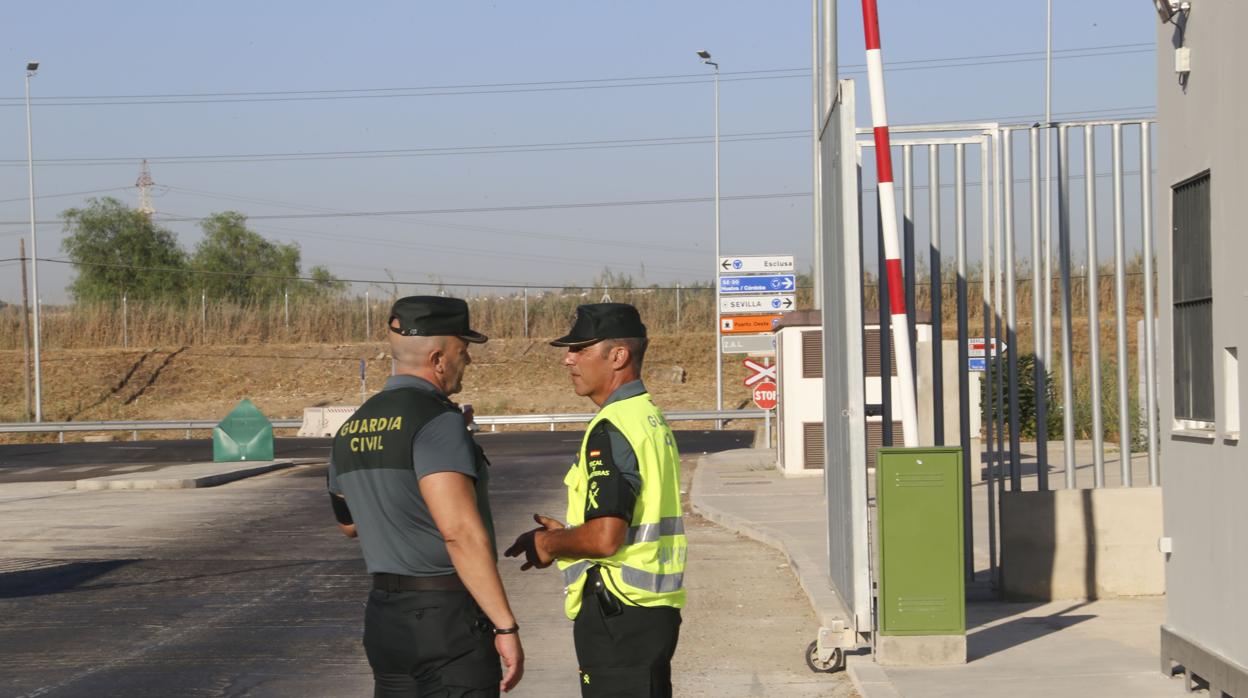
x,y
564,85
425,151
482,209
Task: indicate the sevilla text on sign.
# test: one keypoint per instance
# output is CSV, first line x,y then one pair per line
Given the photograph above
x,y
747,324
776,303
756,264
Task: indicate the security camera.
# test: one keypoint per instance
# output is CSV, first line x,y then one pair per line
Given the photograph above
x,y
1166,9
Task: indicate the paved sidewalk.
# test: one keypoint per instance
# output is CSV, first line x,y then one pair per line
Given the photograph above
x,y
1072,648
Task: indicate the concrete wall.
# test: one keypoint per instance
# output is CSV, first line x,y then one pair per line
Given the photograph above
x,y
1205,474
1081,544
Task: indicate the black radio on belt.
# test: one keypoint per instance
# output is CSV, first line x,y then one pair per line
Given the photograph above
x,y
608,602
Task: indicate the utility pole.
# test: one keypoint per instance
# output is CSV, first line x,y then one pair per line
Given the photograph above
x,y
144,183
21,247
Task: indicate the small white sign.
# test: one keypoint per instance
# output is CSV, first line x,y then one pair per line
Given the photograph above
x,y
757,264
976,346
775,303
757,344
758,372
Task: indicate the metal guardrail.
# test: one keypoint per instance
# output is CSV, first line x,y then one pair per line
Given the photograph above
x,y
188,425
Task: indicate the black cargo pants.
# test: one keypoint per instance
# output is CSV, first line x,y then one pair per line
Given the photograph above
x,y
429,644
624,650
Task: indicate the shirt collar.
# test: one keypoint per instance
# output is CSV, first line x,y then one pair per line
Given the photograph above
x,y
624,392
405,381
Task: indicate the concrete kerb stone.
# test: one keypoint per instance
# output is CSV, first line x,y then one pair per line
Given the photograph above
x,y
189,476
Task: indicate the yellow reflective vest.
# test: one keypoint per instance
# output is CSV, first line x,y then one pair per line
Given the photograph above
x,y
649,568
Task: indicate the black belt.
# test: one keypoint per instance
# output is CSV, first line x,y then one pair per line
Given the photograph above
x,y
386,581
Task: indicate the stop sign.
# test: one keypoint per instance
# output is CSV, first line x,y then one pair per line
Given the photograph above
x,y
765,396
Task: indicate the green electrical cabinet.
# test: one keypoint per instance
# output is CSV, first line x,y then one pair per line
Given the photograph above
x,y
244,434
919,503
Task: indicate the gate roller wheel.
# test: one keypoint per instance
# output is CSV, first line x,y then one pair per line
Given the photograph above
x,y
835,663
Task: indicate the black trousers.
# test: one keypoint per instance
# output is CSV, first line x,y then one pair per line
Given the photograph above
x,y
429,644
626,653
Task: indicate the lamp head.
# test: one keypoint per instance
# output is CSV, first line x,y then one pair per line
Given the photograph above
x,y
32,66
1164,9
706,55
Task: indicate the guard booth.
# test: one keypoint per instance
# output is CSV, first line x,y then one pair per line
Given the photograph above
x,y
799,361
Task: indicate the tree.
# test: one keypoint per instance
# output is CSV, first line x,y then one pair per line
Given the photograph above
x,y
118,250
238,264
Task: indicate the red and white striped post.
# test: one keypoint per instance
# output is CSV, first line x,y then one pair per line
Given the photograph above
x,y
888,222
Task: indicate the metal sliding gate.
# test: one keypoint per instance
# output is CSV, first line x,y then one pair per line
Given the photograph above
x,y
1051,262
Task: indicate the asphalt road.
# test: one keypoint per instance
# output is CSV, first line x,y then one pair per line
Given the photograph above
x,y
75,461
248,589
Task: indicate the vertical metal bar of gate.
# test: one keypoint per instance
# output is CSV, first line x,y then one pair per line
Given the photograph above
x,y
1011,339
1094,307
907,223
1120,303
986,288
964,378
886,345
1040,374
997,291
938,384
1063,235
1150,365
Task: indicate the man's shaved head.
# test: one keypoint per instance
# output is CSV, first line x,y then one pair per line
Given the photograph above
x,y
414,352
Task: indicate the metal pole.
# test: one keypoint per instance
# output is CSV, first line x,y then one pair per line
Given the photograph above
x,y
907,241
816,119
526,313
719,348
884,300
25,324
1011,318
964,379
938,358
1094,308
1040,375
368,317
998,280
1048,186
34,251
286,306
1068,364
985,283
125,321
1150,362
677,309
1120,297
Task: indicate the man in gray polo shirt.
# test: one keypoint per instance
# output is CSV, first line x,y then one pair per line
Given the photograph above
x,y
408,479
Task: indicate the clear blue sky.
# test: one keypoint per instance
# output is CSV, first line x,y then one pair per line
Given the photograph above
x,y
138,48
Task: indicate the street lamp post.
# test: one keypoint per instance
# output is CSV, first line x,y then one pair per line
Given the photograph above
x,y
719,349
32,67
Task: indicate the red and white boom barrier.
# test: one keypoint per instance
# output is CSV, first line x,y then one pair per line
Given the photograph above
x,y
888,222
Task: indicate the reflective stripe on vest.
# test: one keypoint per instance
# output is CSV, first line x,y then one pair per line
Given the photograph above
x,y
648,533
658,583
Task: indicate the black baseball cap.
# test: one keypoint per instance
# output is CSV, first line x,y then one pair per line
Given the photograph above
x,y
598,321
433,316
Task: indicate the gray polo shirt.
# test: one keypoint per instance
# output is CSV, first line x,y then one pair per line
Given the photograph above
x,y
396,531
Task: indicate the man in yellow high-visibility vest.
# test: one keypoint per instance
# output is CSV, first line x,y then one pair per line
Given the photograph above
x,y
622,552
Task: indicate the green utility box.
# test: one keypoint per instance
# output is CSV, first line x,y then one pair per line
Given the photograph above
x,y
919,502
244,434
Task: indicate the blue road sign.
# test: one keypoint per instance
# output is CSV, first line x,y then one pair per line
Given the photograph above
x,y
757,284
977,363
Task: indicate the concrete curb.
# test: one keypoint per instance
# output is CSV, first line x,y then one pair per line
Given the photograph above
x,y
150,482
